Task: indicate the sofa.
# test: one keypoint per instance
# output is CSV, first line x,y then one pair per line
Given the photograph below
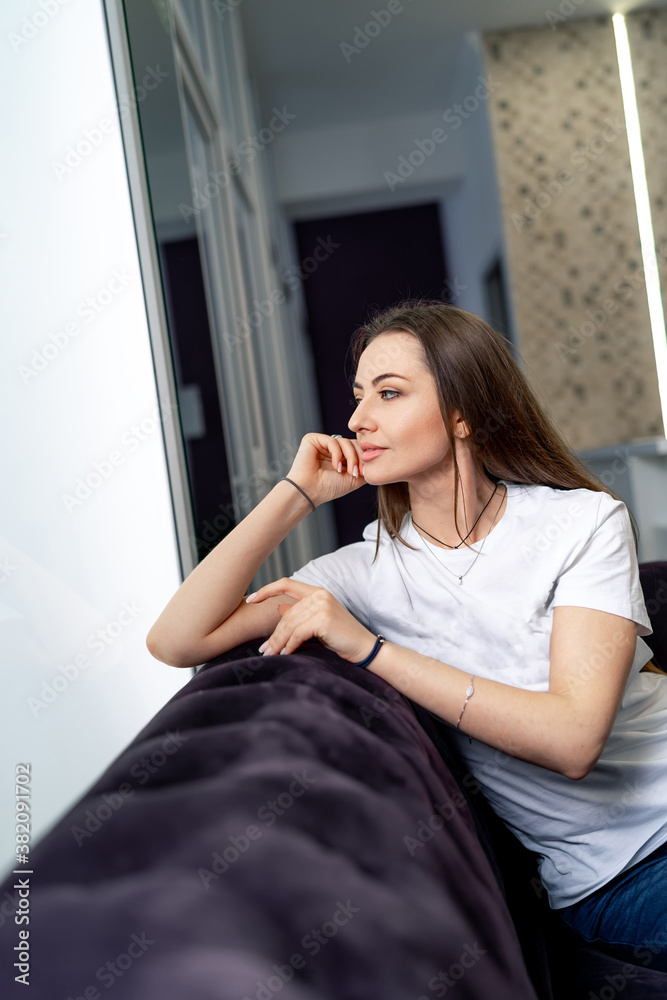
x,y
263,835
294,826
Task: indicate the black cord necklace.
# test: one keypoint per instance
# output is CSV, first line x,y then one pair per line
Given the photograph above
x,y
469,533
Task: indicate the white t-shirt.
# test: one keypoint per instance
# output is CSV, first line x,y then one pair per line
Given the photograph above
x,y
551,547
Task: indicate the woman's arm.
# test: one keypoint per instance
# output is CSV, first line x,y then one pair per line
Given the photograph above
x,y
189,631
207,616
564,729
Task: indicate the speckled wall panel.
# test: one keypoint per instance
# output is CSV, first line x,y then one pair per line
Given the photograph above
x,y
571,230
647,32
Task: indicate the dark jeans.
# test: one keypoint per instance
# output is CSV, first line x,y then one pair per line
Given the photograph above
x,y
627,917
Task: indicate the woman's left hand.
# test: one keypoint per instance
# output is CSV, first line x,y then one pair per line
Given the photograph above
x,y
316,614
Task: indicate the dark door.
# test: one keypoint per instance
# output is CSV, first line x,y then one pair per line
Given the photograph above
x,y
375,259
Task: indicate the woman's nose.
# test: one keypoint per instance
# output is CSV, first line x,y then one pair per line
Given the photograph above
x,y
359,418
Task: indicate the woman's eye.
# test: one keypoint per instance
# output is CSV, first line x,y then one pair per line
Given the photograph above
x,y
354,402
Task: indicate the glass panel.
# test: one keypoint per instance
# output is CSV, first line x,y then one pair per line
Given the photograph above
x,y
195,22
252,329
225,74
202,167
182,251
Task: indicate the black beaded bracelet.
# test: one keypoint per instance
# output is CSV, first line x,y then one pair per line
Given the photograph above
x,y
378,642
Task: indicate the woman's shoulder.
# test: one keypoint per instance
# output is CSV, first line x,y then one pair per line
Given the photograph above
x,y
575,514
578,500
370,532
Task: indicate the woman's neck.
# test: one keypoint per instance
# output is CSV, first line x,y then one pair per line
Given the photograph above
x,y
479,500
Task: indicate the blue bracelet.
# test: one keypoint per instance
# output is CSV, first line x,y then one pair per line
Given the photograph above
x,y
364,663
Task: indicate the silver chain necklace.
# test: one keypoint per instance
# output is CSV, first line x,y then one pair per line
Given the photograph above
x,y
460,578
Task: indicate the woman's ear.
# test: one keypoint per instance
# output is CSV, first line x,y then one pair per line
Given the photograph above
x,y
459,426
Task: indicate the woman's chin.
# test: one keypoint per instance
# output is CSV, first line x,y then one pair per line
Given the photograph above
x,y
374,477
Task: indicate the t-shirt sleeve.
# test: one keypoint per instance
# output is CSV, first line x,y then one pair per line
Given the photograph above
x,y
604,573
346,574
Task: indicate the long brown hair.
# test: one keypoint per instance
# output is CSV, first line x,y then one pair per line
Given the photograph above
x,y
511,438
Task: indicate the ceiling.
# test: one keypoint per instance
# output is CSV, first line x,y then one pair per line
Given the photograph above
x,y
296,59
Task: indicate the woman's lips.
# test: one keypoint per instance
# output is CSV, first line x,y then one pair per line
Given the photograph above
x,y
372,453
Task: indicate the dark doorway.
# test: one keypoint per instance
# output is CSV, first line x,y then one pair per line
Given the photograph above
x,y
376,259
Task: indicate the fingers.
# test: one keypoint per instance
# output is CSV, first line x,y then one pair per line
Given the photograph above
x,y
345,456
280,642
293,588
298,622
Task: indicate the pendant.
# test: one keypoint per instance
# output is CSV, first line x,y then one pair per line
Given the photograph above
x,y
460,579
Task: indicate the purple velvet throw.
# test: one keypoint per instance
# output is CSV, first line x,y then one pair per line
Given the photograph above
x,y
283,827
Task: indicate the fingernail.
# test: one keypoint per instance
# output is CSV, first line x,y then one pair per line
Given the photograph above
x,y
250,597
355,471
267,651
340,466
283,650
263,646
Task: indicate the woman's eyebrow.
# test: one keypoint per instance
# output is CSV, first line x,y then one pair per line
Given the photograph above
x,y
378,378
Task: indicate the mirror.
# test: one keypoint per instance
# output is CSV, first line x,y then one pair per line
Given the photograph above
x,y
288,203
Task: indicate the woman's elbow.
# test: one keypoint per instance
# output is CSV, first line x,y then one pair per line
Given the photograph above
x,y
578,770
578,766
165,653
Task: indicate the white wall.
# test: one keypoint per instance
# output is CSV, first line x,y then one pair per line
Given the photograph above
x,y
375,157
88,556
393,161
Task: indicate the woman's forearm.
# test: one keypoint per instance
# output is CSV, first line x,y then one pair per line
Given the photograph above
x,y
212,592
539,727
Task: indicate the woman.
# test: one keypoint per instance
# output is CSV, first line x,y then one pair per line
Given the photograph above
x,y
509,606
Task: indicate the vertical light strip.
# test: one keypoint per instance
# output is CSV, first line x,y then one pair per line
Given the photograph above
x,y
642,202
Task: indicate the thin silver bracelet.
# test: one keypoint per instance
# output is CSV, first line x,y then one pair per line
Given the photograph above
x,y
469,693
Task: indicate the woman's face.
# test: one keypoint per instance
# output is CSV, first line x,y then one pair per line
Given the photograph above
x,y
399,412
